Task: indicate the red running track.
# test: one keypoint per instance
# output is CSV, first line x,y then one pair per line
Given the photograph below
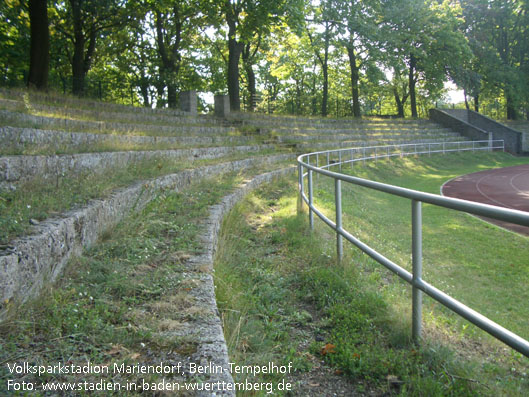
x,y
504,187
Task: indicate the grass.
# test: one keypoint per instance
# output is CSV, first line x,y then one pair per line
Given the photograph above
x,y
47,150
122,300
458,250
270,271
41,199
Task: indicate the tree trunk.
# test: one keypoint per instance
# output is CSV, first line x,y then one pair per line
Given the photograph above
x,y
235,50
355,77
250,74
160,89
411,80
325,98
39,62
476,103
512,114
399,103
78,50
143,84
171,95
234,54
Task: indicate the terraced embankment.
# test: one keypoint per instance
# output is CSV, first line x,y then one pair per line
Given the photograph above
x,y
55,206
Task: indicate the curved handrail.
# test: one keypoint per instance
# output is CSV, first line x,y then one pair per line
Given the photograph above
x,y
415,277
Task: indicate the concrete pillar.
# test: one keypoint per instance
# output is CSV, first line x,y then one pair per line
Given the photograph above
x,y
222,105
188,101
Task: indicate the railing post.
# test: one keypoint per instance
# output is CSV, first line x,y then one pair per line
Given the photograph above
x,y
317,163
416,222
311,213
328,160
340,158
352,158
300,188
338,204
364,155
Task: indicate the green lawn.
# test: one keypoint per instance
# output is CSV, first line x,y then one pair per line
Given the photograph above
x,y
278,285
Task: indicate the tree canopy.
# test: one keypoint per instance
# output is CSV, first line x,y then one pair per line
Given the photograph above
x,y
326,57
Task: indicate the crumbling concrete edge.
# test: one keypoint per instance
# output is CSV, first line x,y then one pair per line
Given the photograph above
x,y
212,348
31,261
19,169
18,138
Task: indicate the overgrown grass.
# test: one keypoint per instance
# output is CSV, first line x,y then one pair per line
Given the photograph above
x,y
122,300
271,268
40,199
47,150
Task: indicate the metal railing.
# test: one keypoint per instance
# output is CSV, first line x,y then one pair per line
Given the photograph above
x,y
337,158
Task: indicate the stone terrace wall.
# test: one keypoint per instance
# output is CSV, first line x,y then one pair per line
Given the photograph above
x,y
31,261
19,169
17,138
7,116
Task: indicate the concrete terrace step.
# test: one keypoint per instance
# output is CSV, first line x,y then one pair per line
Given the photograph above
x,y
73,102
350,129
28,120
351,144
20,139
342,137
30,260
128,115
19,169
318,123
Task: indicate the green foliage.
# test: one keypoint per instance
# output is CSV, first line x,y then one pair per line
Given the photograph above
x,y
363,67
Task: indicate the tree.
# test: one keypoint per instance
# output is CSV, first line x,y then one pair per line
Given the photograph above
x,y
357,25
83,22
39,58
321,43
175,23
14,42
497,31
247,20
426,36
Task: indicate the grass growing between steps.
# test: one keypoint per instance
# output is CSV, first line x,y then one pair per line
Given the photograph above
x,y
122,300
41,199
279,290
48,150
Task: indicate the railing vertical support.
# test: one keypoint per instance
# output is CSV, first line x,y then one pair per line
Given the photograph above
x,y
340,158
311,202
352,159
364,155
416,221
328,160
300,187
338,203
